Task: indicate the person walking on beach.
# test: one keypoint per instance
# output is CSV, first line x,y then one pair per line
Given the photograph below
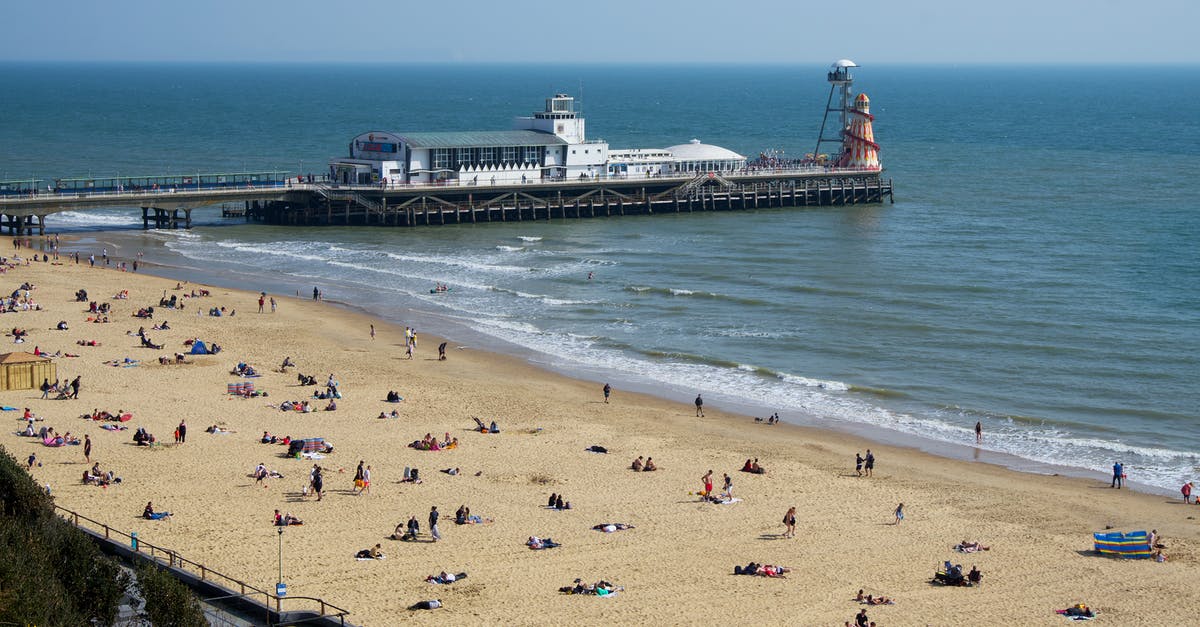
x,y
87,448
789,523
318,482
978,432
182,431
372,332
870,462
1118,475
607,391
899,513
707,479
45,389
262,300
75,387
433,524
358,477
858,463
1186,490
699,406
272,304
366,481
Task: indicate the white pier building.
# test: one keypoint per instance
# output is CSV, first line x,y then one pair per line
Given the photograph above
x,y
549,145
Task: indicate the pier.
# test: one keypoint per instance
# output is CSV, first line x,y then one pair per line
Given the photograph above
x,y
440,205
544,168
321,202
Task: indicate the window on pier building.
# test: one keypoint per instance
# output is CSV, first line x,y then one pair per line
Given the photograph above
x,y
465,156
487,156
508,154
441,157
532,154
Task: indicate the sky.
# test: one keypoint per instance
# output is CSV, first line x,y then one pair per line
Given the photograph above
x,y
603,31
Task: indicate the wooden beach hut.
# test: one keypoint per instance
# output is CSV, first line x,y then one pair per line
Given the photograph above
x,y
25,371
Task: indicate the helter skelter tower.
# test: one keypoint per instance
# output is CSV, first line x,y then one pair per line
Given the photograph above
x,y
856,147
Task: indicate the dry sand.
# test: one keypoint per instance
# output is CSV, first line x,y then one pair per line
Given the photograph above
x,y
676,566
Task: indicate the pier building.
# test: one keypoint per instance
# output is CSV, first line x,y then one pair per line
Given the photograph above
x,y
551,144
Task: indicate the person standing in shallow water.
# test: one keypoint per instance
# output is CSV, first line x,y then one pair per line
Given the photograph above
x,y
978,432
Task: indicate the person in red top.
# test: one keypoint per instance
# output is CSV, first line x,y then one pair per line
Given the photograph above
x,y
1187,492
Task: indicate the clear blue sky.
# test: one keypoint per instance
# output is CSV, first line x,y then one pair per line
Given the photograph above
x,y
569,31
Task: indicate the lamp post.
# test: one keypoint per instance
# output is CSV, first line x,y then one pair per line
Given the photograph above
x,y
280,589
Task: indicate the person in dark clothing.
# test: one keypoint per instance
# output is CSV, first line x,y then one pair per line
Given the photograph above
x,y
699,406
75,387
433,524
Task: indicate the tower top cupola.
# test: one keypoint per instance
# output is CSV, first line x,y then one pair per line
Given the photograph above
x,y
560,107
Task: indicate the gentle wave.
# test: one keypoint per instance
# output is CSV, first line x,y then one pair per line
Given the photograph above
x,y
673,291
529,238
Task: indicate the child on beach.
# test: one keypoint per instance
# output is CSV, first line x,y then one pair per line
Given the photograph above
x,y
899,513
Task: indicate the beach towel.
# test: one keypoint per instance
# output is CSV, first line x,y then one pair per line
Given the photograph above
x,y
1066,615
7,408
369,559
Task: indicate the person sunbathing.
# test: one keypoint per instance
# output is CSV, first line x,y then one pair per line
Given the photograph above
x,y
445,577
650,466
375,553
879,600
150,514
970,547
611,527
431,604
538,544
769,570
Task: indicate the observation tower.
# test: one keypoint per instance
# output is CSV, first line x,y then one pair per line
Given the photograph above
x,y
855,138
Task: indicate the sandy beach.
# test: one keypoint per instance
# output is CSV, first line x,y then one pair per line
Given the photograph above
x,y
676,565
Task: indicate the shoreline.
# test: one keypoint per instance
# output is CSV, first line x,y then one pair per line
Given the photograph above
x,y
959,451
1039,526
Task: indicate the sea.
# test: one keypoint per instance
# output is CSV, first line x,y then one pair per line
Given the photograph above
x,y
1039,271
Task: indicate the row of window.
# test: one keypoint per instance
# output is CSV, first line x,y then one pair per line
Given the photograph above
x,y
447,158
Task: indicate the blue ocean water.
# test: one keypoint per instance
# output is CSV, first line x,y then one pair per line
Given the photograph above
x,y
1039,271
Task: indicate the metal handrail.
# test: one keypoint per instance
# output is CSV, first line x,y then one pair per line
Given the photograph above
x,y
175,560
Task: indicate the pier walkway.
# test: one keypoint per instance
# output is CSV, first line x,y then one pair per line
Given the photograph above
x,y
320,202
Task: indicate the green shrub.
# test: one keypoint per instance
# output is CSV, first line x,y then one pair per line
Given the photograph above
x,y
50,572
169,603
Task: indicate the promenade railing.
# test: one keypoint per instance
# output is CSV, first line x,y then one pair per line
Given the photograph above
x,y
174,559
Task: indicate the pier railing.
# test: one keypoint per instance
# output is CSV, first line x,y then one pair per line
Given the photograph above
x,y
173,559
324,185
